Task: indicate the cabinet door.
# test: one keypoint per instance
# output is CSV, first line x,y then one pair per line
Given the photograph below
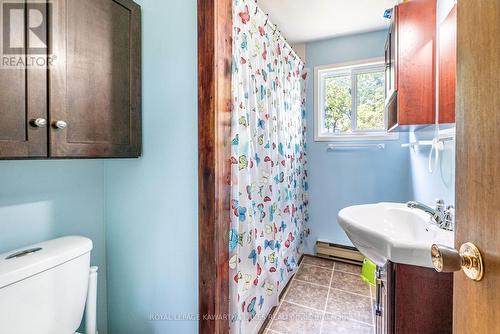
x,y
416,77
390,57
448,67
22,92
95,80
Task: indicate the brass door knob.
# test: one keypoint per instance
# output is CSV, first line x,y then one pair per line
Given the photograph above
x,y
468,258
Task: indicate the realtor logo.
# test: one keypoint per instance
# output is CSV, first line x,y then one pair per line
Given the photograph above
x,y
24,34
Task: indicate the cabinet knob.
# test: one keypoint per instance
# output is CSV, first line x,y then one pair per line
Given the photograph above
x,y
60,125
38,123
468,258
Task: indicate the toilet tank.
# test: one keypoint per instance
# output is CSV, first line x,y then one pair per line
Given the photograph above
x,y
43,287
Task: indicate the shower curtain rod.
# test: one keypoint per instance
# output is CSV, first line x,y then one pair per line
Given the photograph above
x,y
280,36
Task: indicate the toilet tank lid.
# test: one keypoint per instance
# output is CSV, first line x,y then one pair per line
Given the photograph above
x,y
25,262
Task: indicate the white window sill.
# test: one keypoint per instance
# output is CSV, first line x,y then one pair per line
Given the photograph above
x,y
356,137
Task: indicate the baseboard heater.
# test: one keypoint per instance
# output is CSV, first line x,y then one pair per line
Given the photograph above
x,y
338,252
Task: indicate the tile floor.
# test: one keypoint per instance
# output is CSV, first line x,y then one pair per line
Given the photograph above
x,y
324,297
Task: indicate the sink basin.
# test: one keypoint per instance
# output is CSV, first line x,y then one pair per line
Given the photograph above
x,y
393,232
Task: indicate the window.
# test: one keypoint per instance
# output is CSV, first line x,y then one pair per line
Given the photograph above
x,y
350,102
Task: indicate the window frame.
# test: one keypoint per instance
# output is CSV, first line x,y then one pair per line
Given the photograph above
x,y
352,69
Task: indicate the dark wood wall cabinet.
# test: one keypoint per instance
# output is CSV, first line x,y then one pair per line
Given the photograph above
x,y
86,102
411,66
411,299
448,67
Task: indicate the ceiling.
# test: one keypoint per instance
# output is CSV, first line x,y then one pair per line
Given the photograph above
x,y
307,20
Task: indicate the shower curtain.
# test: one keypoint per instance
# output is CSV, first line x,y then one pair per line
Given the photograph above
x,y
269,178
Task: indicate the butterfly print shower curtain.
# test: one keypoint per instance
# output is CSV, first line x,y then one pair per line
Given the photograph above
x,y
269,178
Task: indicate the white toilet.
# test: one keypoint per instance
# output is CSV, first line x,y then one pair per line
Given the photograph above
x,y
44,288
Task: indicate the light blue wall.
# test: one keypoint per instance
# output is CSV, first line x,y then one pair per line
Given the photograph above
x,y
42,200
426,186
341,179
152,202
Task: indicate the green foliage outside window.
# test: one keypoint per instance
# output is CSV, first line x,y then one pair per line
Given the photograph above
x,y
338,104
370,103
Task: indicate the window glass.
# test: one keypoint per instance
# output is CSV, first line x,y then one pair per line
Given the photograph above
x,y
338,104
350,102
370,93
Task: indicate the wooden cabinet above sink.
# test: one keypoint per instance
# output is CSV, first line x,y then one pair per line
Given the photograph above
x,y
411,66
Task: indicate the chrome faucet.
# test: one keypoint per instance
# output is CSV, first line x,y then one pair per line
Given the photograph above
x,y
443,218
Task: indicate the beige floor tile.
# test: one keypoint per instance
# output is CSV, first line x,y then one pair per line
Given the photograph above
x,y
335,325
306,294
350,283
348,305
270,331
314,274
325,263
348,268
293,319
372,291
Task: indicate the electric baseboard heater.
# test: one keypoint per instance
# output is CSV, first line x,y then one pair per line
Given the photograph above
x,y
338,252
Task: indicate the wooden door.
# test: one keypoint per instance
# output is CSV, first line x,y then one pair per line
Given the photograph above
x,y
95,82
477,304
22,95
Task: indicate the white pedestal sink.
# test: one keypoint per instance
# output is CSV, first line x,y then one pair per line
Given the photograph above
x,y
393,232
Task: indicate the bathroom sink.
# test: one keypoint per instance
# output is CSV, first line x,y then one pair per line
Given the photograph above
x,y
393,232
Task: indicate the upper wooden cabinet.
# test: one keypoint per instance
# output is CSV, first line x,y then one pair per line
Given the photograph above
x,y
410,55
90,96
448,67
